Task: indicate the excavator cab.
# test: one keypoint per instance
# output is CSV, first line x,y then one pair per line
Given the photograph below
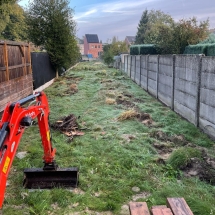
x,y
14,120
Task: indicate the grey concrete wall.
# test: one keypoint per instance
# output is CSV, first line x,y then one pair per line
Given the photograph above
x,y
129,66
165,77
207,96
186,83
152,74
137,69
185,89
144,72
126,64
133,67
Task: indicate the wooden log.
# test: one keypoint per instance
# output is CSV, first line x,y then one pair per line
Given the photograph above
x,y
179,206
138,208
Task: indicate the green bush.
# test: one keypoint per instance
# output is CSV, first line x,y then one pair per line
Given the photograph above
x,y
180,158
196,49
211,50
148,49
144,49
135,50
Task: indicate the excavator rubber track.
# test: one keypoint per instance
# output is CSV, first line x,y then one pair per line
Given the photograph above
x,y
37,178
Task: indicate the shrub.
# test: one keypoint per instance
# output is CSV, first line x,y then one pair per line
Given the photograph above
x,y
135,50
144,49
211,50
196,49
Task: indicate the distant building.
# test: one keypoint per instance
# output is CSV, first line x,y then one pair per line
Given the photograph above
x,y
80,45
92,45
130,40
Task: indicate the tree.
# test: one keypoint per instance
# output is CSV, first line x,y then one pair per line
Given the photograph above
x,y
142,28
15,28
51,24
108,57
189,32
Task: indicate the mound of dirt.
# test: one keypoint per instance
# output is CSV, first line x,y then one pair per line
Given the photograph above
x,y
68,125
201,168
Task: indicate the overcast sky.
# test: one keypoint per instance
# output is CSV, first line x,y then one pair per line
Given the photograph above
x,y
120,18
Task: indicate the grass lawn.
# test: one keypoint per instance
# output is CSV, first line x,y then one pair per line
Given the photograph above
x,y
131,150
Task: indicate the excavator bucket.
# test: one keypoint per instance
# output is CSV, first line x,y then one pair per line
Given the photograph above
x,y
46,179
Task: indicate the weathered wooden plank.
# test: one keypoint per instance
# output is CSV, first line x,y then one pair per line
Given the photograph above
x,y
159,206
13,43
138,208
179,206
161,211
6,61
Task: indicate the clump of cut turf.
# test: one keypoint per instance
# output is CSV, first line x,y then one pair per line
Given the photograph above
x,y
110,101
73,87
181,157
129,114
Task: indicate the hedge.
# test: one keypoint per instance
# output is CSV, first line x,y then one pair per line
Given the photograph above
x,y
211,49
143,49
206,49
196,49
135,50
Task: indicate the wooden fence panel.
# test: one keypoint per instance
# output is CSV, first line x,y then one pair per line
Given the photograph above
x,y
16,80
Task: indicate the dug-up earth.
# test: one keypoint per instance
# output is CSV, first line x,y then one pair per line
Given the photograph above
x,y
203,168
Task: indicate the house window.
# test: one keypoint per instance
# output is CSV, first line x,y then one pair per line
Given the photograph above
x,y
92,47
99,46
96,46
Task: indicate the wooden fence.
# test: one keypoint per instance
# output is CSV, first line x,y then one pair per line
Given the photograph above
x,y
15,72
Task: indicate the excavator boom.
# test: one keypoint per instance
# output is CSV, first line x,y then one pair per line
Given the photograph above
x,y
14,120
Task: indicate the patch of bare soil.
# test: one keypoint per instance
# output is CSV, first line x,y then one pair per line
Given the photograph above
x,y
203,168
69,126
178,140
127,103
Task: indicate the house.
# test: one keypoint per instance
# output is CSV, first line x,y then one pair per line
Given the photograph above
x,y
92,45
130,40
80,43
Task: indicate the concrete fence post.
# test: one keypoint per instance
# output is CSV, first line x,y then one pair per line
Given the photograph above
x,y
127,66
135,67
198,86
147,72
140,69
173,81
157,76
130,65
124,63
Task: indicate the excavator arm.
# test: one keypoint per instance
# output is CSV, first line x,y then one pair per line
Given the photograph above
x,y
14,121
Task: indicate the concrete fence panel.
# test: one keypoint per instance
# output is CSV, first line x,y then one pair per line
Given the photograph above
x,y
126,64
129,66
144,72
207,96
133,67
137,73
186,86
165,84
152,74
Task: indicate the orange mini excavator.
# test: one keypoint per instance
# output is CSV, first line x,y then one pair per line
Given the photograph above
x,y
16,117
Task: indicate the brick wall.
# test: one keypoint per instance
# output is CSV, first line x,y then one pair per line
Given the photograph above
x,y
15,89
94,49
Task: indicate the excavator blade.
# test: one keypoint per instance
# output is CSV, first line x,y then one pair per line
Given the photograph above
x,y
38,178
